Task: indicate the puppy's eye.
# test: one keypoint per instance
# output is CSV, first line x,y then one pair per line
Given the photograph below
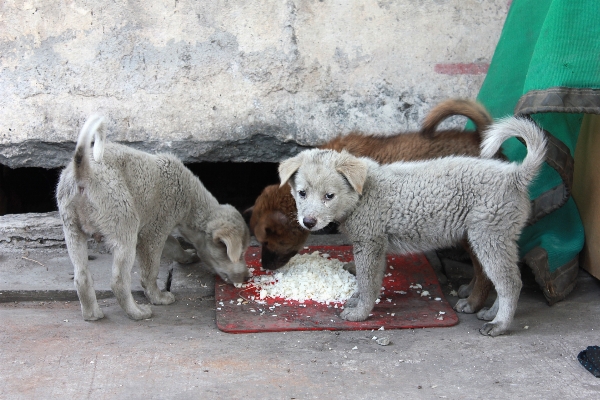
x,y
329,196
302,194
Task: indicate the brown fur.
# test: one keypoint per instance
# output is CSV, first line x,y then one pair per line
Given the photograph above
x,y
424,144
407,146
273,216
274,224
474,111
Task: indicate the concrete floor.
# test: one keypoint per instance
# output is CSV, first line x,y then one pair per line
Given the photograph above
x,y
48,351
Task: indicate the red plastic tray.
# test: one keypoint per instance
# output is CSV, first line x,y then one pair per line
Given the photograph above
x,y
394,311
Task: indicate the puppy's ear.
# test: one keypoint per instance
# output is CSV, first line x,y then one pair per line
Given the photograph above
x,y
260,231
247,214
353,169
288,167
232,241
279,218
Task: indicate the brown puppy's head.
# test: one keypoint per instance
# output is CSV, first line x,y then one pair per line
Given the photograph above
x,y
273,222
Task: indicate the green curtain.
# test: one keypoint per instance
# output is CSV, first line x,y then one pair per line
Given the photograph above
x,y
547,66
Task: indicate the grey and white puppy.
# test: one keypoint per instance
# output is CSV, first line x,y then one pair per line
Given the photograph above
x,y
409,207
134,200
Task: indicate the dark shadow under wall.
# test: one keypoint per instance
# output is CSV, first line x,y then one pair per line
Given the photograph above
x,y
238,184
26,190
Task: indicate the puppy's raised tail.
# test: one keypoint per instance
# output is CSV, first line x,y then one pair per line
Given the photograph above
x,y
534,139
93,128
468,108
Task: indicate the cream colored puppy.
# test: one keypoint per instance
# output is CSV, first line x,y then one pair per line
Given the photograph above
x,y
408,207
134,200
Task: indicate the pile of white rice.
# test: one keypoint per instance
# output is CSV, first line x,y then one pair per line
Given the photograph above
x,y
308,277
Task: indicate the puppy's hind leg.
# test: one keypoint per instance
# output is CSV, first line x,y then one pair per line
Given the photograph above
x,y
465,291
370,266
480,287
149,250
77,247
498,256
124,257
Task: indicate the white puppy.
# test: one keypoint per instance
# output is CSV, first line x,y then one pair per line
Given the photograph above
x,y
410,207
134,200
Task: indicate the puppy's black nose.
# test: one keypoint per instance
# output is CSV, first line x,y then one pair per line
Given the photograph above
x,y
309,222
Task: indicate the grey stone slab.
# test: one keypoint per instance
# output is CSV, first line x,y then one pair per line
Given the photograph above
x,y
31,230
43,274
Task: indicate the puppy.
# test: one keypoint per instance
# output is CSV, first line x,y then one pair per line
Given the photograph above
x,y
273,222
134,200
408,207
273,216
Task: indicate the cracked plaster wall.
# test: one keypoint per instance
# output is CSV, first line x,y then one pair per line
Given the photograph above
x,y
231,80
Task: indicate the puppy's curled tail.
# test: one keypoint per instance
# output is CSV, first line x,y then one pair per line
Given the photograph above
x,y
534,138
467,108
93,128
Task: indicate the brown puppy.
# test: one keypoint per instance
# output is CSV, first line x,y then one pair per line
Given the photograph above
x,y
424,144
273,222
273,216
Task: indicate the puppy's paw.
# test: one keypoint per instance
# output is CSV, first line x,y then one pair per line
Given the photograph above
x,y
465,291
352,301
487,314
163,298
350,267
464,306
189,256
354,314
94,315
143,311
493,329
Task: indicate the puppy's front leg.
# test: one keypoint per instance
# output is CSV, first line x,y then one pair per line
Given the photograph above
x,y
369,258
173,251
353,300
148,251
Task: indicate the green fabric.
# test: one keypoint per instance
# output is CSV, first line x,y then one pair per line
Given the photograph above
x,y
559,233
566,52
545,44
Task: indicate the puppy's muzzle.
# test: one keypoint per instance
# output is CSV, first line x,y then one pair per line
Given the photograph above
x,y
238,277
309,222
272,260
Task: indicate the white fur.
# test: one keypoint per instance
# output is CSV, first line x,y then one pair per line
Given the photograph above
x,y
410,207
93,127
134,200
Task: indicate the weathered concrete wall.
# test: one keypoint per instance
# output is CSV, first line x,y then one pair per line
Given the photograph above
x,y
228,80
